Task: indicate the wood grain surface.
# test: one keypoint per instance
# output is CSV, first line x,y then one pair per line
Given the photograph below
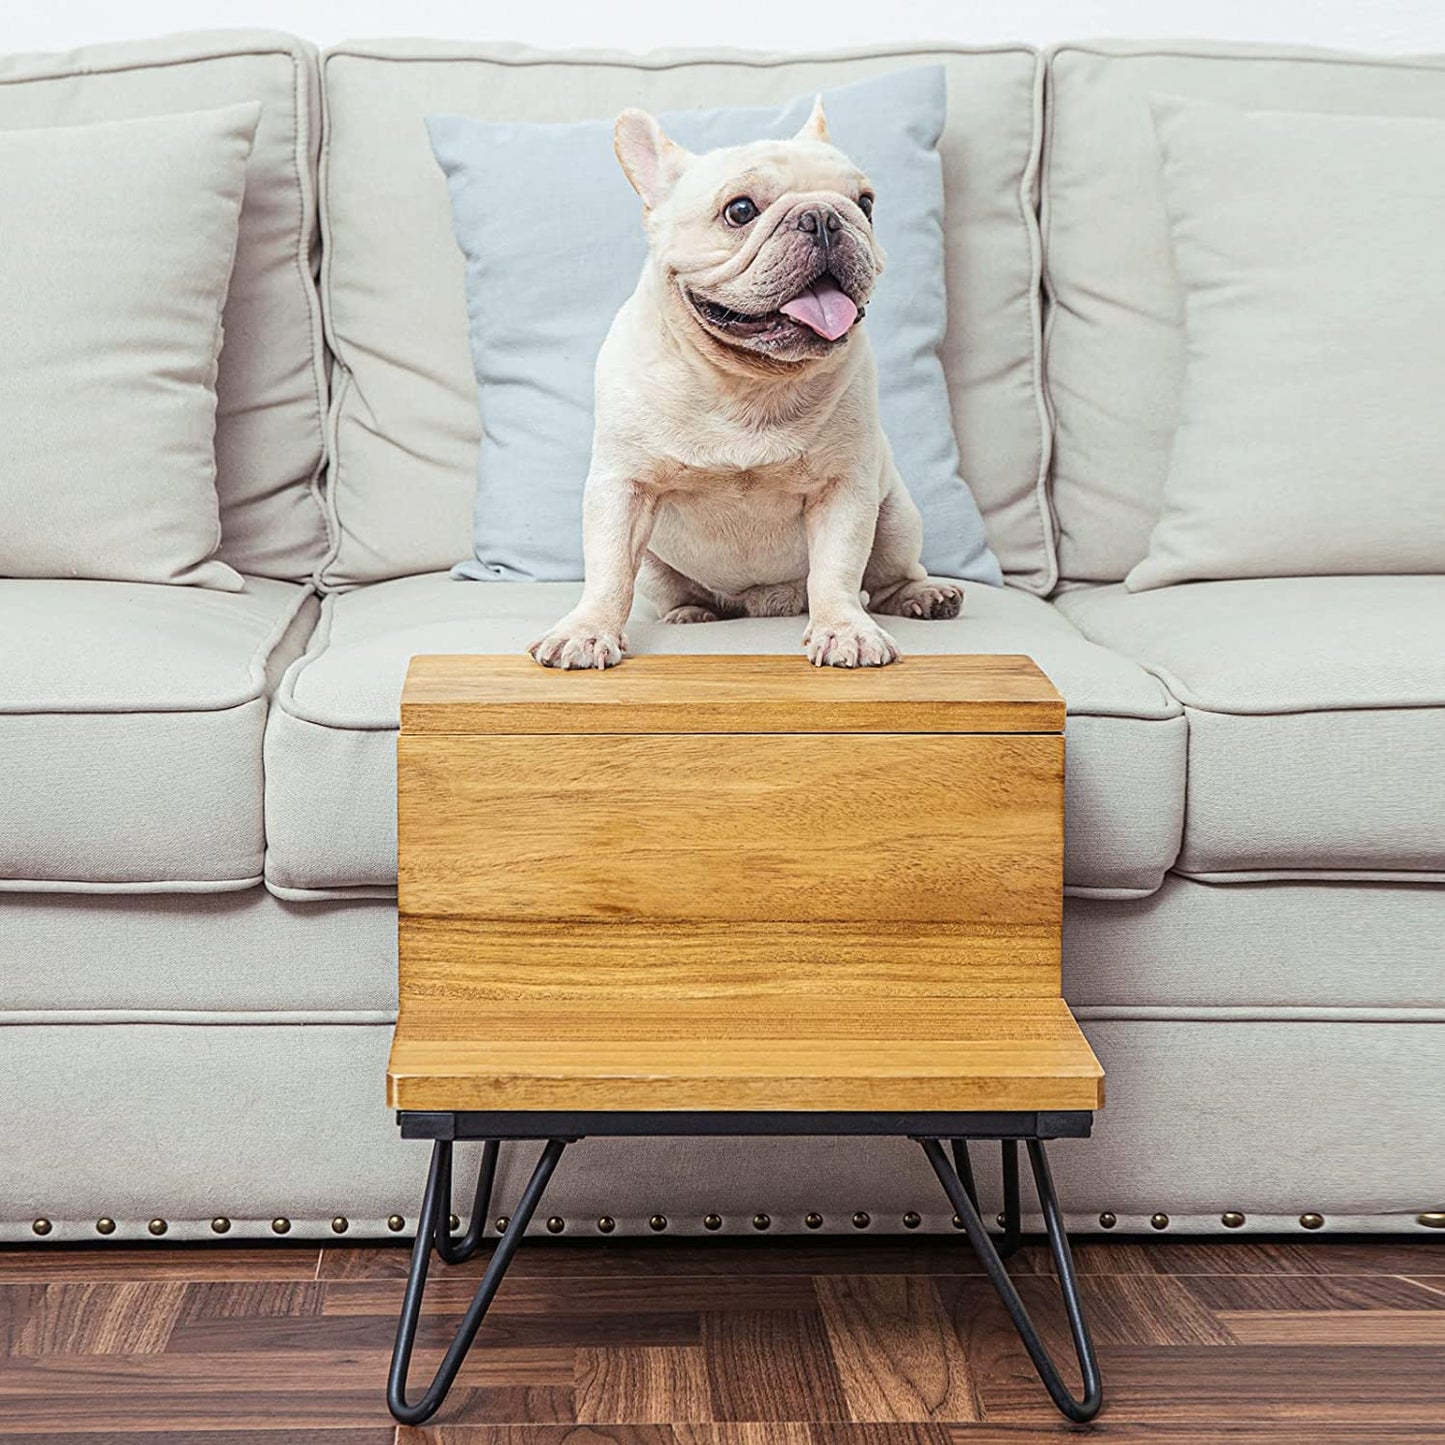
x,y
864,828
703,1054
856,1341
707,694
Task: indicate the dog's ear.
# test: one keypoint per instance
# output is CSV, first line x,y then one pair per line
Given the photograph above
x,y
816,125
649,159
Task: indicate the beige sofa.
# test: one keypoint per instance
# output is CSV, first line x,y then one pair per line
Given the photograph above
x,y
197,846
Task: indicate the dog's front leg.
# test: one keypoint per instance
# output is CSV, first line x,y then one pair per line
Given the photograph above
x,y
840,520
617,520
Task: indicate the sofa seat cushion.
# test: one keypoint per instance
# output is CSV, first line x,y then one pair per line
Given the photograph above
x,y
1316,710
131,719
331,740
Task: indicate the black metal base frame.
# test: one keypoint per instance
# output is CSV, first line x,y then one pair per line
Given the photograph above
x,y
956,1176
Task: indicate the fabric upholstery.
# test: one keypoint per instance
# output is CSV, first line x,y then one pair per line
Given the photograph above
x,y
131,720
331,742
1310,425
271,382
1300,947
1116,343
118,240
1283,1116
405,423
1316,711
528,260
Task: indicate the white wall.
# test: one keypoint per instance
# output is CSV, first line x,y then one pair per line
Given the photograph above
x,y
1384,25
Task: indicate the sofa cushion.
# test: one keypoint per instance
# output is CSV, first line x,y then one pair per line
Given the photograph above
x,y
1116,322
1316,711
118,241
271,384
131,719
331,740
406,429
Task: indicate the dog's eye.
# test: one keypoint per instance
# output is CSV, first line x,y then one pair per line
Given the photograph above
x,y
739,211
865,204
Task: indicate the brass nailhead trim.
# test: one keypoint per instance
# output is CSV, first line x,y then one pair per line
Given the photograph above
x,y
1312,1221
105,1226
1107,1220
219,1225
454,1224
502,1221
395,1223
1432,1219
762,1221
556,1225
606,1224
281,1226
998,1219
712,1221
861,1220
958,1221
658,1222
1159,1221
158,1226
1232,1220
340,1224
41,1226
814,1221
912,1220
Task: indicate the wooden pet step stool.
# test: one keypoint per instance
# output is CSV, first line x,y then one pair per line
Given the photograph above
x,y
733,895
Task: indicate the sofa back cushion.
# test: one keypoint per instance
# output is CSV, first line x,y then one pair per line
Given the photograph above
x,y
271,382
405,424
1116,346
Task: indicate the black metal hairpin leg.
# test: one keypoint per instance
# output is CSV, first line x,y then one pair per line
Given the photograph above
x,y
1008,1242
457,1251
953,1184
431,1227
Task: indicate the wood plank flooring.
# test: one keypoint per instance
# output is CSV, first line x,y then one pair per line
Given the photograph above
x,y
780,1342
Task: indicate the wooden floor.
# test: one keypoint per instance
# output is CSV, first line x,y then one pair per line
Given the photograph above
x,y
864,1342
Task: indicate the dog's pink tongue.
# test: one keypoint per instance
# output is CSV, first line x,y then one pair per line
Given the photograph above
x,y
824,307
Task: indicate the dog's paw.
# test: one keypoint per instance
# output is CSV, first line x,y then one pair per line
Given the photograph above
x,y
928,599
849,644
681,615
579,645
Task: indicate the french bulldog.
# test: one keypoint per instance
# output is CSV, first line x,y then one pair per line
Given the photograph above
x,y
738,466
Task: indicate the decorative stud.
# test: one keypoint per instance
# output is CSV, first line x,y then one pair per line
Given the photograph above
x,y
501,1223
105,1226
280,1226
1108,1220
814,1221
762,1221
41,1226
998,1219
158,1226
340,1224
712,1221
220,1225
556,1224
1159,1221
395,1223
454,1225
1233,1219
657,1223
862,1220
1433,1219
912,1220
606,1224
958,1221
1312,1221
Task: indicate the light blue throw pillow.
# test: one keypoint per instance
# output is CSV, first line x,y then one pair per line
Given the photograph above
x,y
552,235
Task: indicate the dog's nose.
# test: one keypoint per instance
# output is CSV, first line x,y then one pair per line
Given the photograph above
x,y
820,222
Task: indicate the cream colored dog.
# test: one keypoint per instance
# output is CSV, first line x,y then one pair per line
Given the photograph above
x,y
738,467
